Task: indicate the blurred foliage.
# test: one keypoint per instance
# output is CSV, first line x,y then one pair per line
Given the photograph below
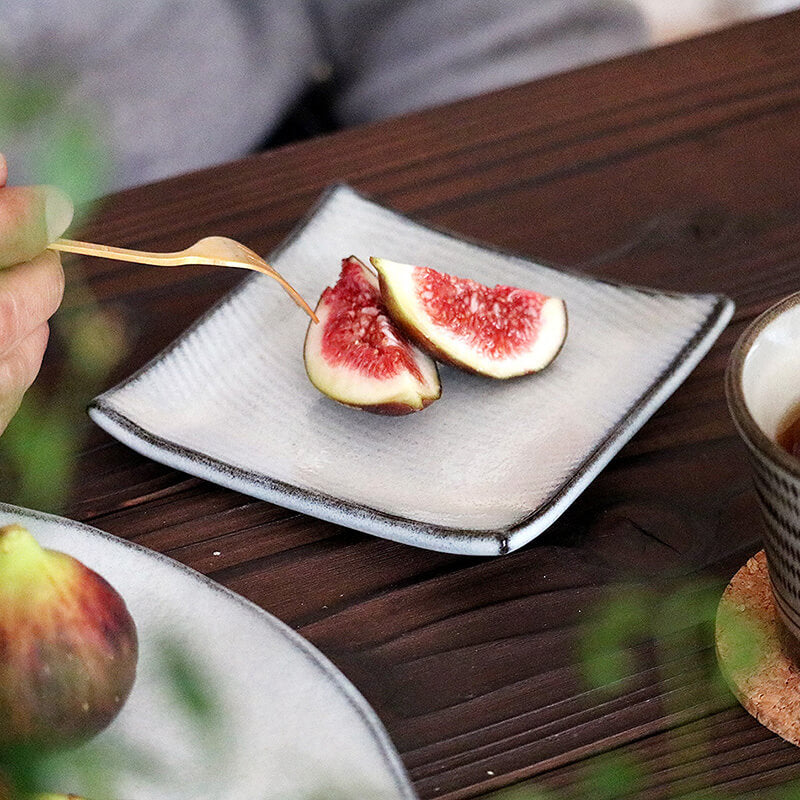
x,y
522,793
26,99
675,623
669,629
611,776
37,455
73,157
606,660
98,766
63,135
188,684
38,451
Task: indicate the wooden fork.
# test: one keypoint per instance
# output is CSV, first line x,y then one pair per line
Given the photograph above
x,y
217,251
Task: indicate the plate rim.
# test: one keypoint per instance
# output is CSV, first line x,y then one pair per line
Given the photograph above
x,y
373,521
327,669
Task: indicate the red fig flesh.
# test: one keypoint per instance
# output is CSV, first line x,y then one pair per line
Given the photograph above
x,y
499,331
68,646
356,354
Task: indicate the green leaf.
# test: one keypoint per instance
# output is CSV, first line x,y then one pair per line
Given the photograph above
x,y
521,793
67,142
612,776
621,621
189,685
746,636
26,99
38,449
73,157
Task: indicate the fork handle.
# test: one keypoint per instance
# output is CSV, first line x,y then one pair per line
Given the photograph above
x,y
175,259
117,253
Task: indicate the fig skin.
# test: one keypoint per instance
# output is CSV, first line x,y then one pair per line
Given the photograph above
x,y
412,385
56,797
400,304
68,647
6,794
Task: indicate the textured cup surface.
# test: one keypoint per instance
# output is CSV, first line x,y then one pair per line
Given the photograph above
x,y
762,385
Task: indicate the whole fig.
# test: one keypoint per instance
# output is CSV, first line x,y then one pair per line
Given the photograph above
x,y
68,646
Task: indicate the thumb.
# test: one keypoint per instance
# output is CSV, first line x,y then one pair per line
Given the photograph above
x,y
3,170
30,218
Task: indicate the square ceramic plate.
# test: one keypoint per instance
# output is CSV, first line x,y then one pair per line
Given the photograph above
x,y
482,471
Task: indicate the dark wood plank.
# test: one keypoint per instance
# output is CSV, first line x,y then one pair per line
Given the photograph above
x,y
675,168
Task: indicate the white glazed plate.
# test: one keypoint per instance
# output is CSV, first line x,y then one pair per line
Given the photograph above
x,y
483,470
289,726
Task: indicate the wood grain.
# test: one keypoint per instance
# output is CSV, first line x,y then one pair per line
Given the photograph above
x,y
676,168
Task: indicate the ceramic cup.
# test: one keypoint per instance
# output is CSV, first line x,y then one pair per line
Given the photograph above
x,y
762,384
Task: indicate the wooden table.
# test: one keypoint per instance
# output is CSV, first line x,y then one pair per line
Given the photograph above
x,y
678,169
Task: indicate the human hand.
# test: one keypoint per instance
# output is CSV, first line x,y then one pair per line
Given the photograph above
x,y
31,282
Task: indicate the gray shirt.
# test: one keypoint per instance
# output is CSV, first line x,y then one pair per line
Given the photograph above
x,y
181,84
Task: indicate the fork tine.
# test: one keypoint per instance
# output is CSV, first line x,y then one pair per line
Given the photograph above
x,y
266,269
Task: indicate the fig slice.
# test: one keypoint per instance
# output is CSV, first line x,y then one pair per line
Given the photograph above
x,y
356,354
500,331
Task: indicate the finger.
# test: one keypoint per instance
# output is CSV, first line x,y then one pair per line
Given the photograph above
x,y
18,369
3,170
30,218
30,294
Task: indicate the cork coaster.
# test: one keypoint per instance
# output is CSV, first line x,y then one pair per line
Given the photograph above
x,y
754,651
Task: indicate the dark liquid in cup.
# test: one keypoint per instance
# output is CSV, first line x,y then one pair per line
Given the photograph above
x,y
789,432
